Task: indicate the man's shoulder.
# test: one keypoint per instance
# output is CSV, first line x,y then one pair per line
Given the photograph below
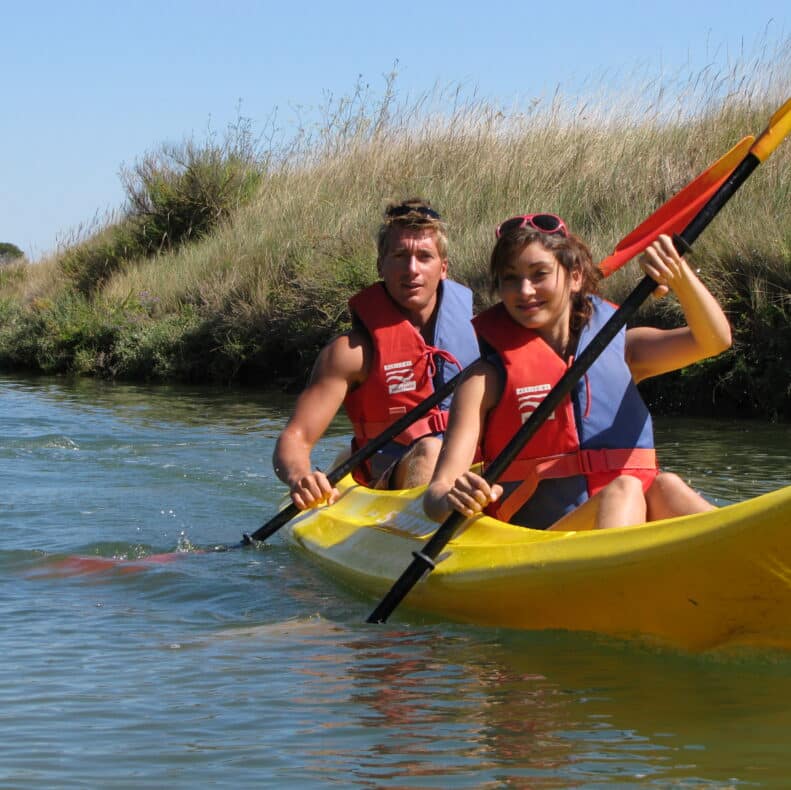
x,y
356,337
346,355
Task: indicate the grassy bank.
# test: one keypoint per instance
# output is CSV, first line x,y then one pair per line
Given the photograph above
x,y
233,260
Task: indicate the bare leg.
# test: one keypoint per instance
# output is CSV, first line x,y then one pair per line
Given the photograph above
x,y
620,504
670,496
417,465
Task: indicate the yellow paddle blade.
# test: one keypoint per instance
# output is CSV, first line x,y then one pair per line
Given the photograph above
x,y
779,126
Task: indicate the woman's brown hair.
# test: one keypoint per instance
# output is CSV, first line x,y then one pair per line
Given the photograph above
x,y
571,253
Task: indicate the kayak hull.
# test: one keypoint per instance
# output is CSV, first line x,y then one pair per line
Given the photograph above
x,y
721,578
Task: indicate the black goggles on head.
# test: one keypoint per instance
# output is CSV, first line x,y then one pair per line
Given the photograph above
x,y
403,210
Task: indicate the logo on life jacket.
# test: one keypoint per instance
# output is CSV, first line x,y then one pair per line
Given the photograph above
x,y
400,377
528,399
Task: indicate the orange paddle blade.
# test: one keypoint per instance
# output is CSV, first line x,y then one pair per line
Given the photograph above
x,y
81,566
673,216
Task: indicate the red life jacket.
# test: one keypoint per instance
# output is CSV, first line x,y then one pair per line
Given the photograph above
x,y
532,368
401,372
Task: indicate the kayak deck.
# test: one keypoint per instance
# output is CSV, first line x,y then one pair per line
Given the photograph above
x,y
696,582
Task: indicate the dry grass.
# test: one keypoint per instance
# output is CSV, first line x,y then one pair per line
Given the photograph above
x,y
269,284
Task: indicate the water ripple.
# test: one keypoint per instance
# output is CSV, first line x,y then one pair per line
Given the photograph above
x,y
245,668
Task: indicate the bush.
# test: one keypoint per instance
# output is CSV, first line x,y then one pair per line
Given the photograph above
x,y
182,192
175,195
156,349
89,264
9,253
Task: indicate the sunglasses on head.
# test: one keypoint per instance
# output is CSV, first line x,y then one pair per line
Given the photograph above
x,y
544,223
404,209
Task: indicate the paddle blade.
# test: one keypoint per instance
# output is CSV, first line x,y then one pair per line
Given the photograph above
x,y
85,565
674,215
779,126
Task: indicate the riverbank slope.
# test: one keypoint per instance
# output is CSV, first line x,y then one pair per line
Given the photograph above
x,y
233,261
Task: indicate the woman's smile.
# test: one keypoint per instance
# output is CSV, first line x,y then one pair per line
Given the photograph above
x,y
535,290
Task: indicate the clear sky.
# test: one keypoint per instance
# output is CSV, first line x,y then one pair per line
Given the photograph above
x,y
88,86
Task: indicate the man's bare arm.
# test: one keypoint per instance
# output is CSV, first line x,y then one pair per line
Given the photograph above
x,y
340,366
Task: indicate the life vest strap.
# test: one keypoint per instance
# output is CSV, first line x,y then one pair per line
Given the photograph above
x,y
434,422
432,353
531,471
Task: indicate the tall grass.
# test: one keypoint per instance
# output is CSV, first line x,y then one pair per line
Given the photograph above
x,y
252,292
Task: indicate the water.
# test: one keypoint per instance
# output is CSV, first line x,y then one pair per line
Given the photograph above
x,y
251,668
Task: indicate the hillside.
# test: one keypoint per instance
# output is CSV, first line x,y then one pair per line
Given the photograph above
x,y
232,260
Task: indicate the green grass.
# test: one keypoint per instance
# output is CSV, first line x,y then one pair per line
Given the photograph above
x,y
233,260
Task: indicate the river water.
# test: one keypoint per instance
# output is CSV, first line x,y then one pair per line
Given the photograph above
x,y
251,668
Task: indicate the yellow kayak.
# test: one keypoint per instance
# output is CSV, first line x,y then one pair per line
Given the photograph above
x,y
715,579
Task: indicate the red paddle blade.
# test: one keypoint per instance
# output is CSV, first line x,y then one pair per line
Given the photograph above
x,y
673,216
83,566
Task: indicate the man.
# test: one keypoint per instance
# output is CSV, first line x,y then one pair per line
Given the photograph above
x,y
411,332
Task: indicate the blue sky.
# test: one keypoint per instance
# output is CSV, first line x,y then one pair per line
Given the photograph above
x,y
88,87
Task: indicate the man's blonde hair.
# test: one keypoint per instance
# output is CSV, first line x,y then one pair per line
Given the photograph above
x,y
415,214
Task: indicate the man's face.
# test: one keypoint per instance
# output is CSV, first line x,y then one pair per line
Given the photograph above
x,y
412,269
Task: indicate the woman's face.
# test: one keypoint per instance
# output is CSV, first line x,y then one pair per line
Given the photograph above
x,y
536,291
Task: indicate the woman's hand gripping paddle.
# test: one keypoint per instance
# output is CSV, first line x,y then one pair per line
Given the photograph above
x,y
779,126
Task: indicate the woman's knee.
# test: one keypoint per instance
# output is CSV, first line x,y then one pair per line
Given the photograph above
x,y
621,503
625,486
666,480
670,496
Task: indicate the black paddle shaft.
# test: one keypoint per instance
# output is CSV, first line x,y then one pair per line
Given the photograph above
x,y
424,560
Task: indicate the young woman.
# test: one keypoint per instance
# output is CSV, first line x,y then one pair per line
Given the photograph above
x,y
592,463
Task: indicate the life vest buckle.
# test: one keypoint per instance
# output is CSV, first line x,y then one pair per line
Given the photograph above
x,y
438,421
584,461
594,462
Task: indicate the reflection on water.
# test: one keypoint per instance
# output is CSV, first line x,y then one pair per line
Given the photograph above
x,y
436,708
233,410
251,668
198,406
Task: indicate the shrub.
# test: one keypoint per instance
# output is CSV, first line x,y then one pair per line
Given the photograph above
x,y
9,253
175,195
157,349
